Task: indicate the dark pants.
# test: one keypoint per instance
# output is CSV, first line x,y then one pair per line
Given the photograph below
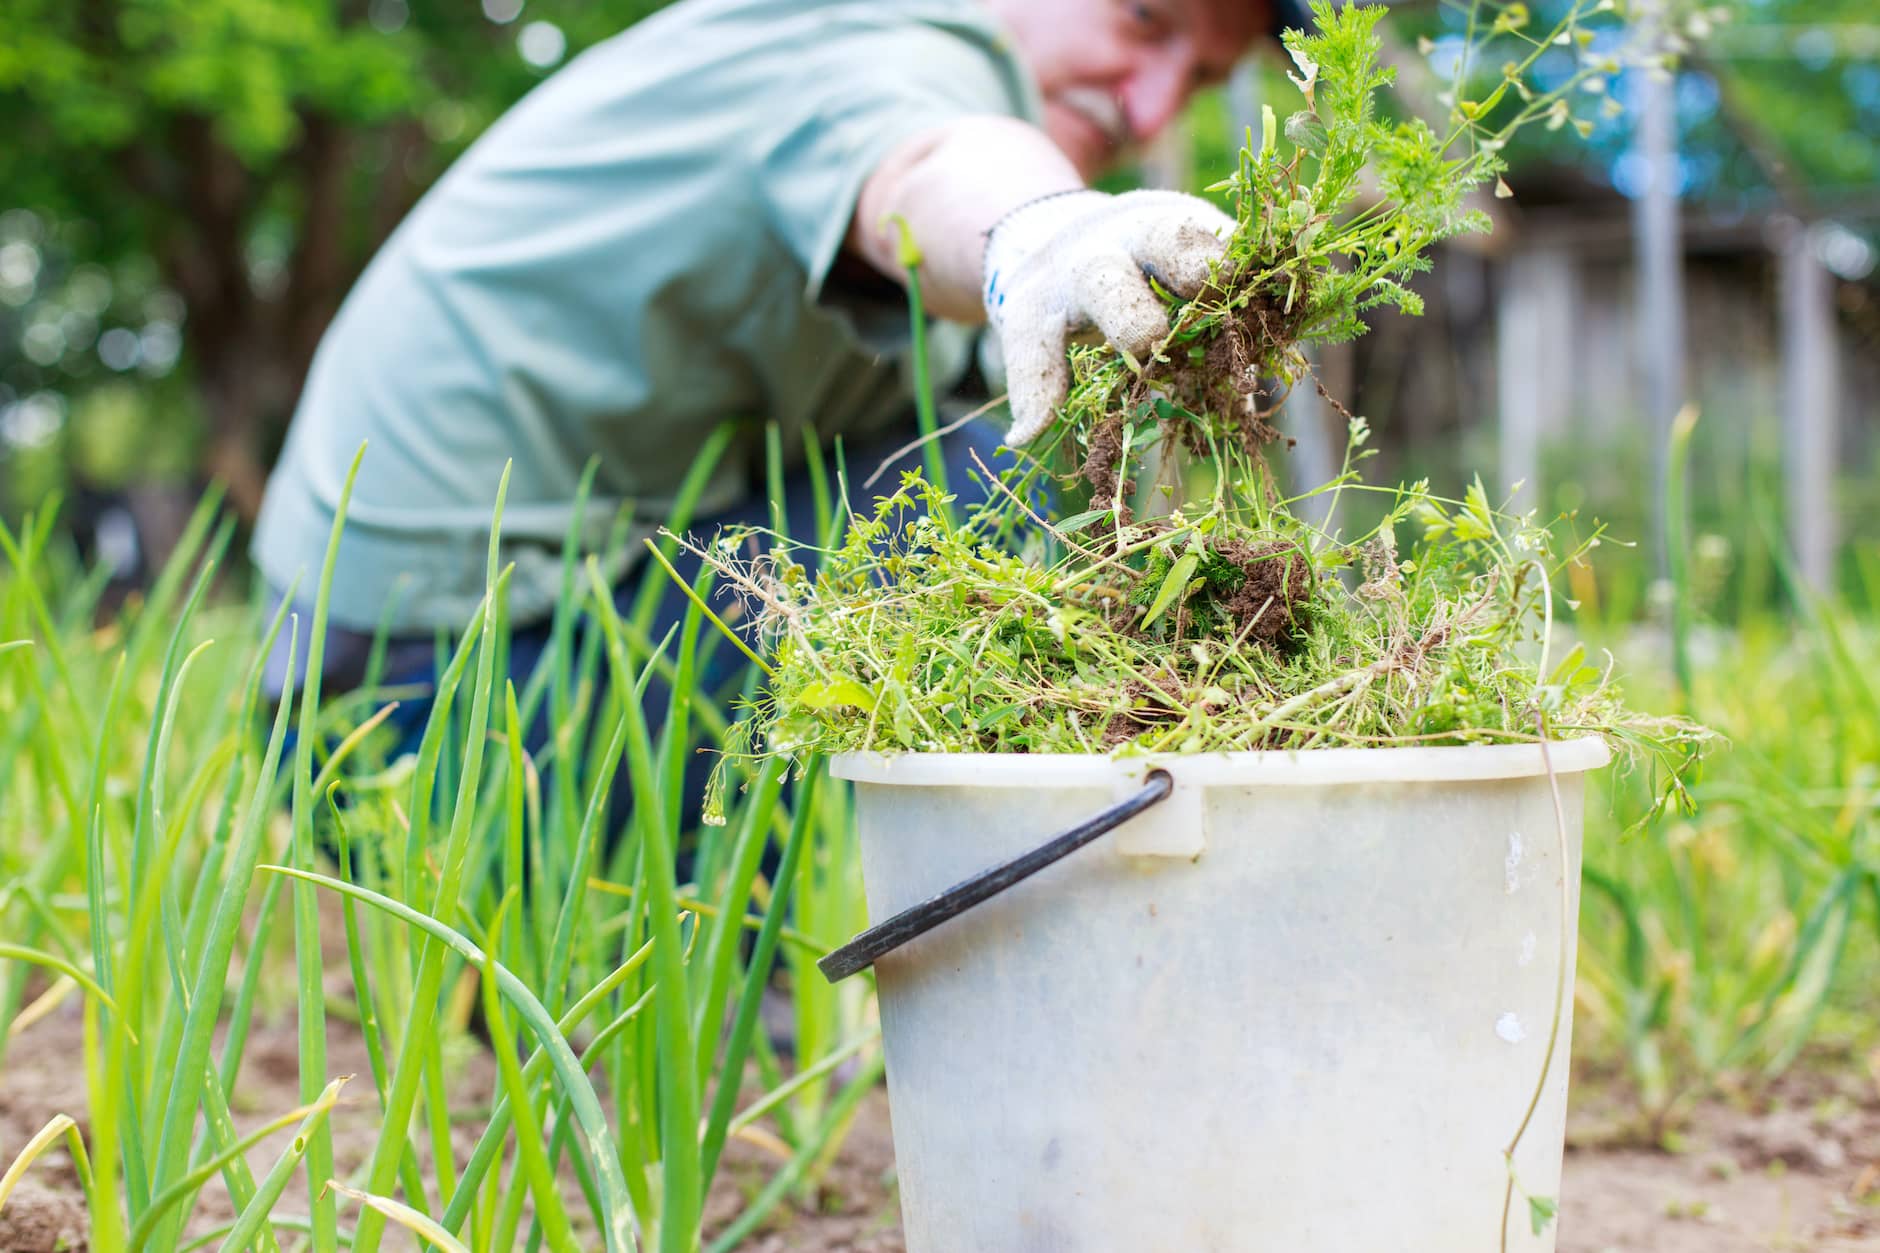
x,y
411,661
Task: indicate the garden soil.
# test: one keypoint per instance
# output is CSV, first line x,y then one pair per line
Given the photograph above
x,y
1796,1171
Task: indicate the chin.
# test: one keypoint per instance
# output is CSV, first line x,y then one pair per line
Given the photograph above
x,y
1091,167
1079,141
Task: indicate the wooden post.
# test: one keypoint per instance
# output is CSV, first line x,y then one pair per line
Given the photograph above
x,y
1660,277
1309,421
1306,419
1535,361
1811,372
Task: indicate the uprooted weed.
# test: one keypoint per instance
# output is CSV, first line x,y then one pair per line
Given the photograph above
x,y
1335,210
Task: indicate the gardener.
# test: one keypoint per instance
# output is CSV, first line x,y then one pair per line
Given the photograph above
x,y
691,224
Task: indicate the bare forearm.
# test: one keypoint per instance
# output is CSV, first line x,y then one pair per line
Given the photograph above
x,y
951,185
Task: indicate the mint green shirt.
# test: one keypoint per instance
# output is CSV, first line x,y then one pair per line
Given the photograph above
x,y
632,255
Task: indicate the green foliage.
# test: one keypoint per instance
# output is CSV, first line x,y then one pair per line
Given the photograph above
x,y
1231,623
221,171
1714,952
105,81
154,835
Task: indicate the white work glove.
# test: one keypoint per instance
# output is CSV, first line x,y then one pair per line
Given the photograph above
x,y
1066,264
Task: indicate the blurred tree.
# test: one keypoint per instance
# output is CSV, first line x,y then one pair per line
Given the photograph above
x,y
241,160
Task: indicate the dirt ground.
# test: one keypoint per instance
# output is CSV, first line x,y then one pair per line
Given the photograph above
x,y
1796,1171
1800,1175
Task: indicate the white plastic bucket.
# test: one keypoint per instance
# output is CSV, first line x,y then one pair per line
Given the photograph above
x,y
1301,1005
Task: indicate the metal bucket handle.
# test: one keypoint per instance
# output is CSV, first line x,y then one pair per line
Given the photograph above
x,y
878,941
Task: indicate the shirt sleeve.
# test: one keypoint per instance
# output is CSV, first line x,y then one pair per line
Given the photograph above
x,y
870,84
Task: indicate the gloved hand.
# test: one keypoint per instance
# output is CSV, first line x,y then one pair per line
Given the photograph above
x,y
1065,264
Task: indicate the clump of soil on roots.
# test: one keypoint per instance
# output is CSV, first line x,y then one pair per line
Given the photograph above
x,y
1268,606
1227,380
1146,709
1101,466
1246,343
1271,605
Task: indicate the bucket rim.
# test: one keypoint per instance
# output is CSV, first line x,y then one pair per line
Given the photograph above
x,y
1316,767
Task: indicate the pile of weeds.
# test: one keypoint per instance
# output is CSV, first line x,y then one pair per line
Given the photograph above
x,y
1231,623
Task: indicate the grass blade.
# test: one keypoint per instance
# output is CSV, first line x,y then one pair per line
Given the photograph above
x,y
255,1213
491,1143
189,1184
52,961
43,1139
420,1225
529,1138
567,1068
309,964
205,1002
750,1001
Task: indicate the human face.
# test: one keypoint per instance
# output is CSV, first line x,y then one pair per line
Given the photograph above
x,y
1113,73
